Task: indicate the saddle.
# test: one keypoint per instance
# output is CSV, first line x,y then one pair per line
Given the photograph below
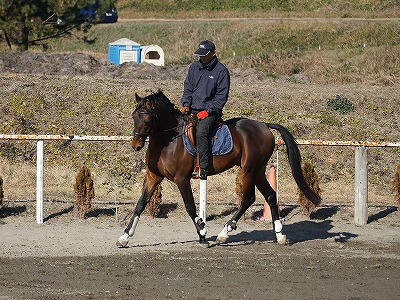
x,y
190,128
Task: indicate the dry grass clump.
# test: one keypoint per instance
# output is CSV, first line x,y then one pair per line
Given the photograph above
x,y
1,191
154,206
239,185
84,190
396,186
312,180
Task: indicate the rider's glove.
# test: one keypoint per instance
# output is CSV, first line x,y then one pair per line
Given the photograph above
x,y
185,110
202,115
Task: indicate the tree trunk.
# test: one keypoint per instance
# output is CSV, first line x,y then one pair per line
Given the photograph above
x,y
7,39
25,36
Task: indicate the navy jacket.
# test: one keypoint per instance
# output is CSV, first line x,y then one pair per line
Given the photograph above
x,y
206,87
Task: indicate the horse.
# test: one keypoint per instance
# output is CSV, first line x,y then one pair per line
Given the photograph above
x,y
157,119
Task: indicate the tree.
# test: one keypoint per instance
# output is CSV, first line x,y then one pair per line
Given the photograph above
x,y
28,22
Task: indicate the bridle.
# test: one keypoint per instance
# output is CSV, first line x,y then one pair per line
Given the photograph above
x,y
154,117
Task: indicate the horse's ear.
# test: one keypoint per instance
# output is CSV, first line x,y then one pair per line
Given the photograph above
x,y
138,98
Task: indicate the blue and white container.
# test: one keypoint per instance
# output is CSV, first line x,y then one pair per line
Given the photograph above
x,y
123,50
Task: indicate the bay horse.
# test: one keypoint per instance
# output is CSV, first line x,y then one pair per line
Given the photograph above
x,y
158,119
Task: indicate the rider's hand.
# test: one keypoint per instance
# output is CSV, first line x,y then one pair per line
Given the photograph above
x,y
185,110
202,115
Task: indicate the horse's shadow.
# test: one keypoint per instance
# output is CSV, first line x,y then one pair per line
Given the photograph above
x,y
7,211
165,209
324,212
297,232
225,213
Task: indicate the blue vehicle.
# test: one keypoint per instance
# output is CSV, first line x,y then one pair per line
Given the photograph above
x,y
90,13
110,16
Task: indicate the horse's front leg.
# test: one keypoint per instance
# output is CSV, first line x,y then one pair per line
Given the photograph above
x,y
150,183
187,196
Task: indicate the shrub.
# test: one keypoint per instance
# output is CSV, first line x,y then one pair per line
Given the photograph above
x,y
396,186
84,190
312,181
155,202
340,104
239,185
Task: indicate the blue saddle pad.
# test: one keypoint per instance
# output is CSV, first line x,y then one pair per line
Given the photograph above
x,y
221,140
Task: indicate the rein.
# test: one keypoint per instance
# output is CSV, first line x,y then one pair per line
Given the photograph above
x,y
143,136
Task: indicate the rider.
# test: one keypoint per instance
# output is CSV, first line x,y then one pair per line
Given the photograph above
x,y
206,90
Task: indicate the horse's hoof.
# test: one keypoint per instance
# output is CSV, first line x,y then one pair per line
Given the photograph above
x,y
282,240
222,239
204,244
122,243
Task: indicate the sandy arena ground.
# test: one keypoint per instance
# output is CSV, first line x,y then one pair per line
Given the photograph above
x,y
326,258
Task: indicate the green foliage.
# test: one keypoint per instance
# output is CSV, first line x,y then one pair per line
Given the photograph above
x,y
26,22
312,181
84,190
340,104
275,117
328,119
246,112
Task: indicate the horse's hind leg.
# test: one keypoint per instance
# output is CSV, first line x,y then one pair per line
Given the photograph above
x,y
270,196
248,199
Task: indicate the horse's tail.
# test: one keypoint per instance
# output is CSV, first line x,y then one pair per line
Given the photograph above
x,y
295,163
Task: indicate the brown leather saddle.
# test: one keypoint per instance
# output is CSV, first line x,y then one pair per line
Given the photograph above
x,y
190,131
190,128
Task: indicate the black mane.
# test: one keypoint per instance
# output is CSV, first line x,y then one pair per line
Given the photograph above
x,y
158,99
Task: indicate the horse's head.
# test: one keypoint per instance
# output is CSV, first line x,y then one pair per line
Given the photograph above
x,y
154,114
144,117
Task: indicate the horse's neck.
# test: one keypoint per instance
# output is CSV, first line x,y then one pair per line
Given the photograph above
x,y
167,121
168,128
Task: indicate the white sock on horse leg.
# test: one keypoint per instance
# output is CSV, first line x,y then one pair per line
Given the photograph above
x,y
280,237
223,235
135,222
202,231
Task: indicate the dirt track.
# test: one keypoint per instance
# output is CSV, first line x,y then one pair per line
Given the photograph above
x,y
327,258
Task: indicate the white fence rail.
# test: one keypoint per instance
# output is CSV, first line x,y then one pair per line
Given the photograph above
x,y
360,180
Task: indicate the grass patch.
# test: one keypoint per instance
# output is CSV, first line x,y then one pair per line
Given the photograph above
x,y
273,48
340,104
256,8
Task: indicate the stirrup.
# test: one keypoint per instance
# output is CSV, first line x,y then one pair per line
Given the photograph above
x,y
199,174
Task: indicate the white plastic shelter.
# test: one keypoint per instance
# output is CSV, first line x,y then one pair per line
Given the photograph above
x,y
152,54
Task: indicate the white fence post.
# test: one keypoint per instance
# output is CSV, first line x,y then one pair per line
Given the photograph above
x,y
277,175
203,199
361,186
39,183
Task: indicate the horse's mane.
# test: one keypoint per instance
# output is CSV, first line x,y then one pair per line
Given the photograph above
x,y
159,99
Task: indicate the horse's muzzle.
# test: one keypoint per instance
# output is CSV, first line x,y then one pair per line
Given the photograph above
x,y
137,143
